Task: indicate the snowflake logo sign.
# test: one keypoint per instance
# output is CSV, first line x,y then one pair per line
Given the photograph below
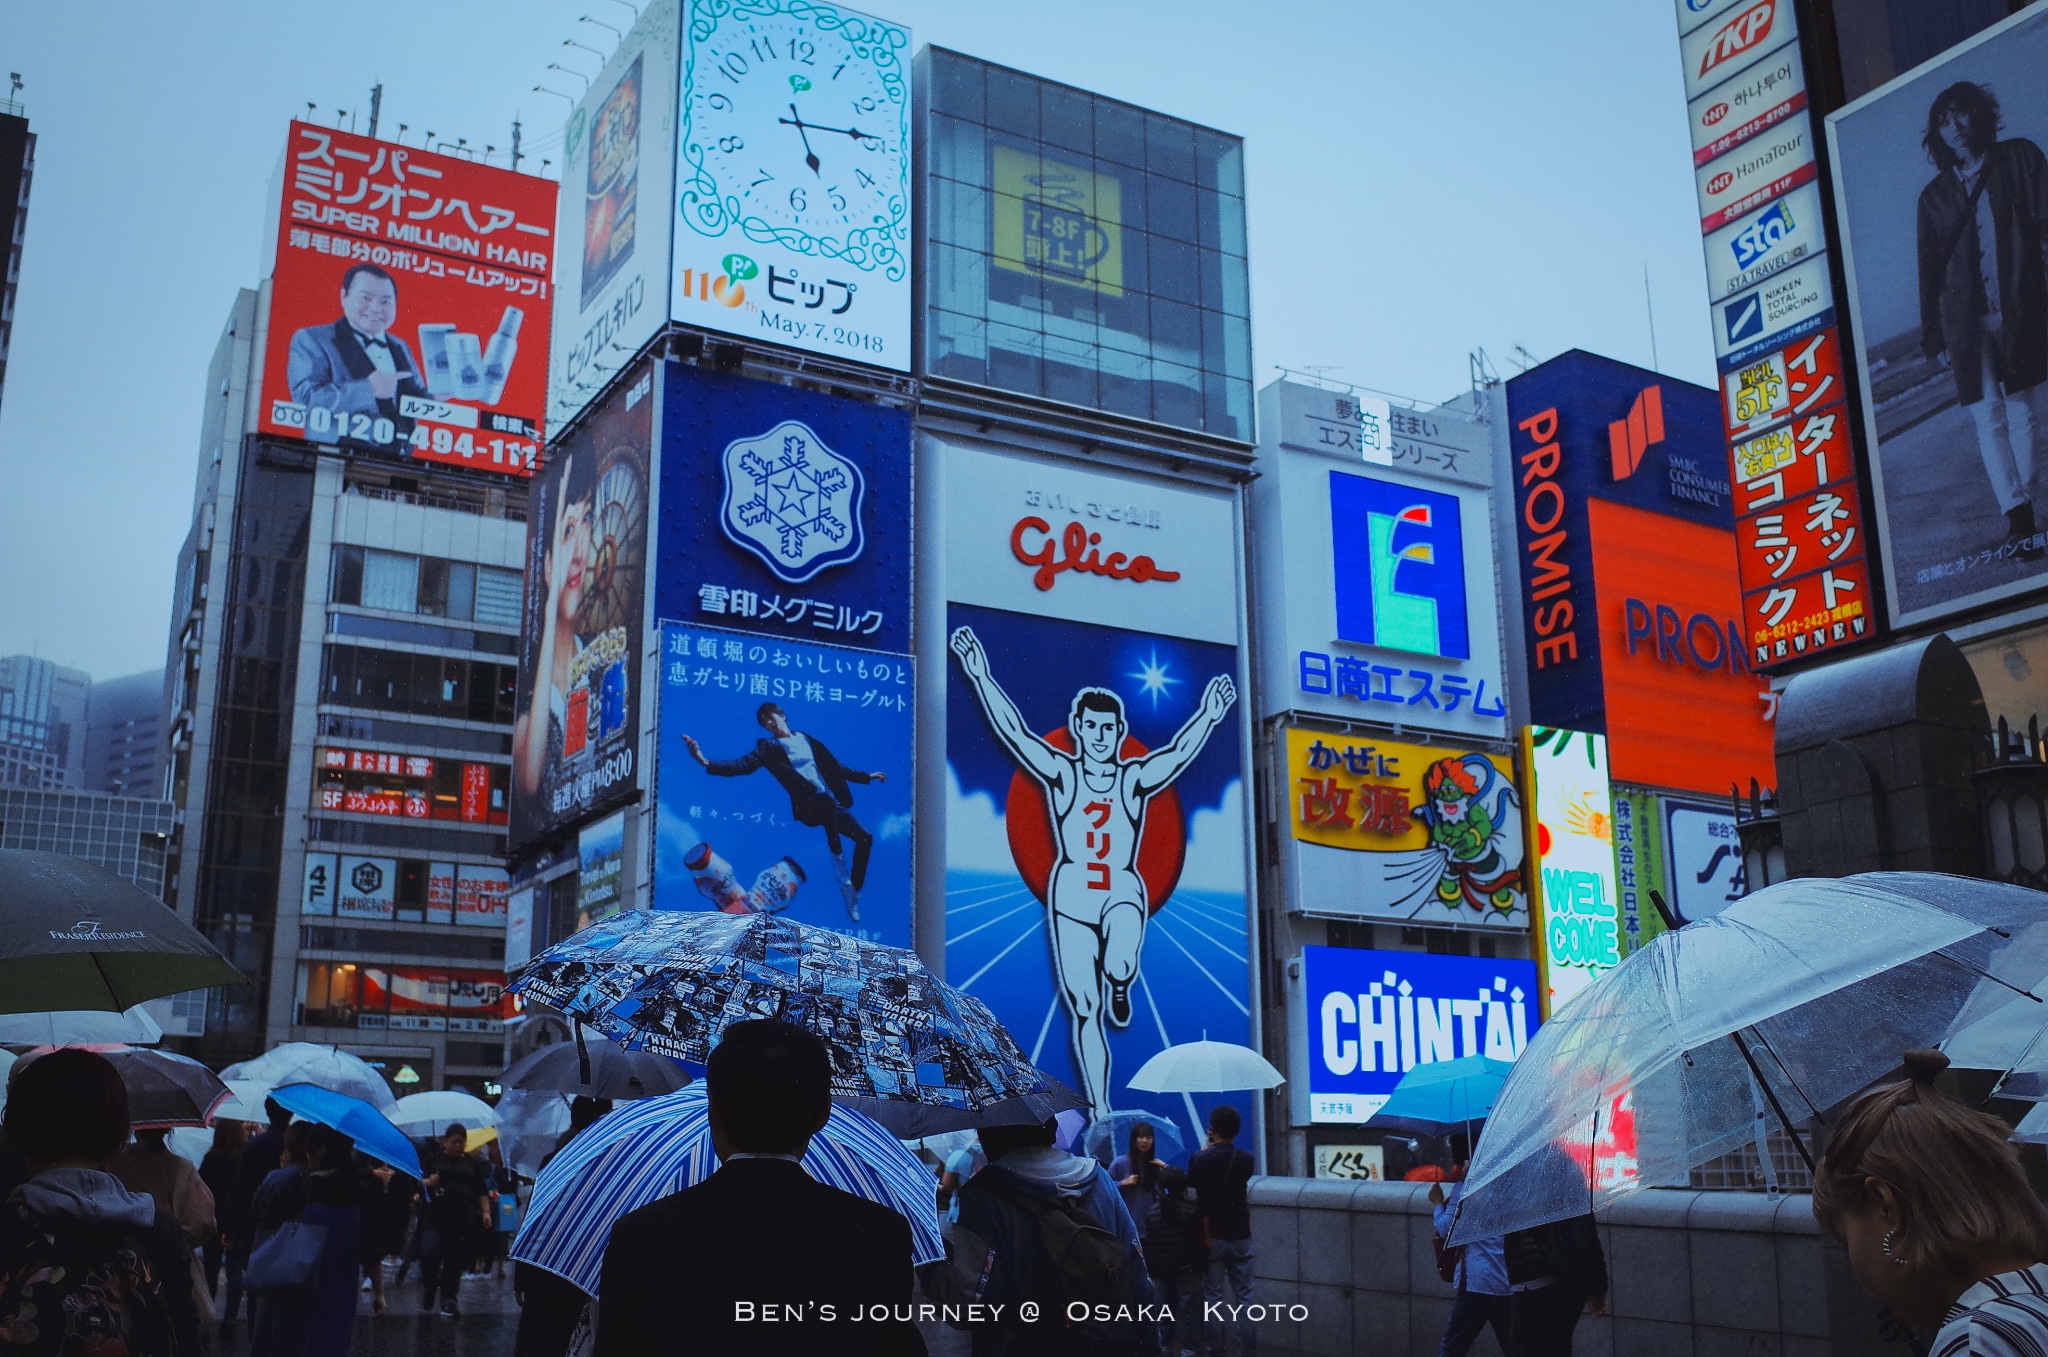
x,y
792,501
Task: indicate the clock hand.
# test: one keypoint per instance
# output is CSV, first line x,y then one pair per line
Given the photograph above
x,y
796,120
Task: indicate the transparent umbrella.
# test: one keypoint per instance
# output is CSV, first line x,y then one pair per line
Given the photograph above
x,y
304,1062
1766,1015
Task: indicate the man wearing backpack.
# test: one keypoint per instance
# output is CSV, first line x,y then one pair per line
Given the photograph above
x,y
1045,1235
1220,1173
85,1264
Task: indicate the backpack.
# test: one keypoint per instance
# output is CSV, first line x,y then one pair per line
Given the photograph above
x,y
82,1291
1084,1262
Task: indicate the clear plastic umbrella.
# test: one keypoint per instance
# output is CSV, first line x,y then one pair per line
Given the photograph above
x,y
245,1102
427,1116
328,1067
1766,1015
80,1027
1206,1066
530,1123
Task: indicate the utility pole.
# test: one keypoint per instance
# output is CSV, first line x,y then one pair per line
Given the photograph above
x,y
376,102
515,146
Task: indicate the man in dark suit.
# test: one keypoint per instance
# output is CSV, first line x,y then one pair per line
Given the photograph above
x,y
817,787
760,1258
356,366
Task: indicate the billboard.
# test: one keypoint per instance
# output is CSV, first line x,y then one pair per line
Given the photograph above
x,y
1942,219
1416,834
615,223
792,177
1369,1017
480,896
1703,855
1578,921
786,781
366,888
409,303
786,513
576,721
1378,596
1096,864
601,869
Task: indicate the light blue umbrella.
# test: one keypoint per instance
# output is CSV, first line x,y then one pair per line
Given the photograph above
x,y
655,1146
371,1130
1443,1096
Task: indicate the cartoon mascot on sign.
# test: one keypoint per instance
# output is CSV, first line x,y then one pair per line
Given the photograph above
x,y
1475,831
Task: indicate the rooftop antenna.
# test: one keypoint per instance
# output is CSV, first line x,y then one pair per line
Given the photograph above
x,y
376,103
1524,359
558,66
515,145
586,19
1650,309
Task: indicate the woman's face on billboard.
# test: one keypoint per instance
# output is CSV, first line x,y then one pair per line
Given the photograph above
x,y
571,551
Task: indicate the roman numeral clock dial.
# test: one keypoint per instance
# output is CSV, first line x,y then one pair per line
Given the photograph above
x,y
796,135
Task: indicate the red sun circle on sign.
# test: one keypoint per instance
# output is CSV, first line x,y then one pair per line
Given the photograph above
x,y
1542,840
1162,843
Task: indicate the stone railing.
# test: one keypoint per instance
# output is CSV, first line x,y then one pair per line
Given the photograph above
x,y
1692,1273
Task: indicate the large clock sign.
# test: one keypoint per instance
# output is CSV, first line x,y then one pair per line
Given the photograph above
x,y
793,178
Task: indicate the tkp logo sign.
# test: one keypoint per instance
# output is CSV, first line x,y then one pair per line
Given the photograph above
x,y
1400,565
1741,34
792,501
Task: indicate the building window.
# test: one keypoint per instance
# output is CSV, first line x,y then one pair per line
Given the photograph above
x,y
423,685
1084,250
403,998
391,581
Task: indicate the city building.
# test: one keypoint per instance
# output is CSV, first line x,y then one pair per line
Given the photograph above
x,y
1881,450
343,647
43,709
17,177
962,506
124,735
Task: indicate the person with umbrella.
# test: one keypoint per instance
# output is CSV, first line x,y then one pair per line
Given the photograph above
x,y
760,1235
1136,1173
330,1192
458,1214
550,1306
151,1167
1479,1270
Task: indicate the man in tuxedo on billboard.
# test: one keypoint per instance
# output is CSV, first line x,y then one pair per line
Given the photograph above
x,y
356,365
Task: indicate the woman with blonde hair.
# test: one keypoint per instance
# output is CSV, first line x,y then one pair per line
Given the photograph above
x,y
1928,1198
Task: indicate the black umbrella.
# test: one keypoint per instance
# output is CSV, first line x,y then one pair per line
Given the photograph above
x,y
164,1089
599,1069
73,935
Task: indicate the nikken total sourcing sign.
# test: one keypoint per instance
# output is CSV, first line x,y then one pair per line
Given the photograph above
x,y
1365,1018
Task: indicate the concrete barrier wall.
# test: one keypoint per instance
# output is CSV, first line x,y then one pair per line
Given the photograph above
x,y
1696,1273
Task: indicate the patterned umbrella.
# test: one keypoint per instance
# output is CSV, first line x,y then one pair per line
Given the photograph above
x,y
650,1148
671,982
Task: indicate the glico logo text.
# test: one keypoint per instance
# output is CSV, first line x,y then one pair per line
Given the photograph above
x,y
1083,554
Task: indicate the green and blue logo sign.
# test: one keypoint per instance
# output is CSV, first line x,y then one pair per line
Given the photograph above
x,y
1399,553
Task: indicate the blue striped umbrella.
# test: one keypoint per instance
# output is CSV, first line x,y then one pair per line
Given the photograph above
x,y
655,1146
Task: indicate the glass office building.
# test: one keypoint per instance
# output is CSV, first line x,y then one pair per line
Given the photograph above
x,y
1082,250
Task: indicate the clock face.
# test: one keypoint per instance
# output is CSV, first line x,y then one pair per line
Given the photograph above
x,y
795,130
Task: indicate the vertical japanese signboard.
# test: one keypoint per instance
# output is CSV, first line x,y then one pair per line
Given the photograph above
x,y
619,159
1939,191
409,303
1799,515
1578,920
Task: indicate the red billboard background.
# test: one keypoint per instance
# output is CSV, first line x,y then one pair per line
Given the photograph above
x,y
457,260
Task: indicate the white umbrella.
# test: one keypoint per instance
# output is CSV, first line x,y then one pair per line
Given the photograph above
x,y
191,1143
245,1102
328,1067
1206,1066
530,1122
424,1115
80,1027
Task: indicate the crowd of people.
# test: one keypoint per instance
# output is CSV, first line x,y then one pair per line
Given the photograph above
x,y
112,1243
109,1236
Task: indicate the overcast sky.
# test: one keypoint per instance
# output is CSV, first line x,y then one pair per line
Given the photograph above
x,y
1423,180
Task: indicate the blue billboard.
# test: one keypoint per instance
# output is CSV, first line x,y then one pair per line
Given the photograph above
x,y
785,781
1373,1016
1399,552
784,512
1095,877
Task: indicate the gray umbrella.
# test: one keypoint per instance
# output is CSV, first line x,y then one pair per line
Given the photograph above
x,y
164,1089
74,935
599,1069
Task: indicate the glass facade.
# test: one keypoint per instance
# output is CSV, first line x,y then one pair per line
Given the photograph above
x,y
1083,250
